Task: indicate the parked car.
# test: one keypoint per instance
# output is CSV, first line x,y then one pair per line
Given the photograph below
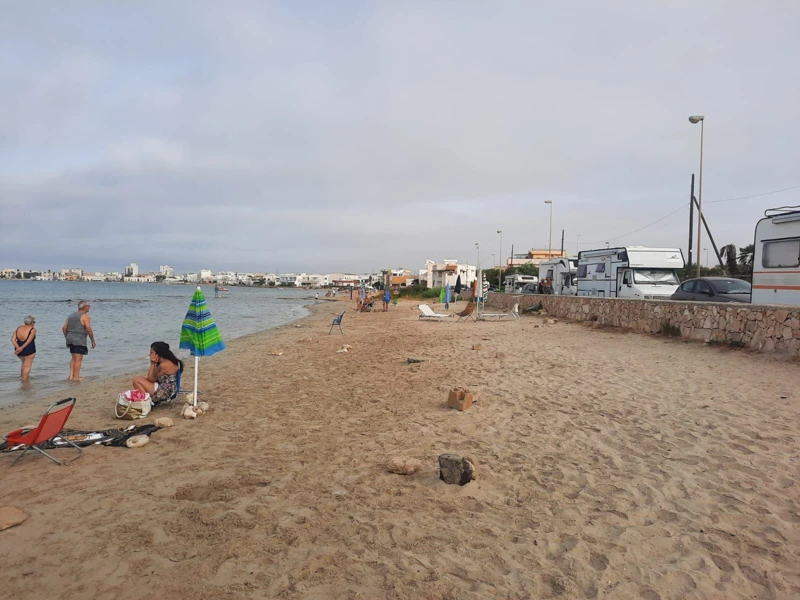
x,y
530,288
713,289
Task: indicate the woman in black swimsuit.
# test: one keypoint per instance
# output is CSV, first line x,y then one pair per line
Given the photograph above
x,y
24,340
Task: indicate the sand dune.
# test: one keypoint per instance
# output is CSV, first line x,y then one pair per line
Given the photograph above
x,y
611,465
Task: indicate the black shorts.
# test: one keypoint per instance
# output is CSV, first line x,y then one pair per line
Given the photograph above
x,y
73,349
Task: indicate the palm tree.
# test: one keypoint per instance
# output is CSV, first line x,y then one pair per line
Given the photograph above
x,y
746,258
729,255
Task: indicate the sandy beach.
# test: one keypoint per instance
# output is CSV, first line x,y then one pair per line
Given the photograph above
x,y
610,465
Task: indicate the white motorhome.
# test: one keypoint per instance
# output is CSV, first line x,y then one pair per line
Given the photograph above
x,y
513,284
629,272
776,257
563,272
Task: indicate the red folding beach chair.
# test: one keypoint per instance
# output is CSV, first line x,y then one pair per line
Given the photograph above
x,y
50,426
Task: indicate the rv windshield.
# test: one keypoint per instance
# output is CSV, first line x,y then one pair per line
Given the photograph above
x,y
655,277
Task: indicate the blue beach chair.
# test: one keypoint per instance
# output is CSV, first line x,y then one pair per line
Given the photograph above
x,y
337,321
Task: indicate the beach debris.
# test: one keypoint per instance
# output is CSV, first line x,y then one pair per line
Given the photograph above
x,y
456,470
402,465
477,347
277,352
188,412
500,355
11,517
552,321
459,398
341,351
298,326
137,441
346,346
163,422
412,361
204,406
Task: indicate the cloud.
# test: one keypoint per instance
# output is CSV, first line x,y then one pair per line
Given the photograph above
x,y
273,137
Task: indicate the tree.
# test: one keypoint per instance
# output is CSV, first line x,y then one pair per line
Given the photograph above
x,y
729,255
746,258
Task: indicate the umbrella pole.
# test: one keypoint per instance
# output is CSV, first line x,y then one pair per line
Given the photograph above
x,y
194,397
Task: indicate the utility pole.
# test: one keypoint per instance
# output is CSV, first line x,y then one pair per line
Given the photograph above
x,y
562,242
691,220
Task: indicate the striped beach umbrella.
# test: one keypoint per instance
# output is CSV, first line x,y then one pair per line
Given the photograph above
x,y
199,333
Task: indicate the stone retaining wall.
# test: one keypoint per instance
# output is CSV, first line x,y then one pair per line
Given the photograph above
x,y
764,328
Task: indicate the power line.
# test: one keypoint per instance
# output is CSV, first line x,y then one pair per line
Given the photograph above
x,y
794,187
682,206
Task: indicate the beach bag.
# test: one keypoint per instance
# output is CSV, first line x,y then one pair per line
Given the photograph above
x,y
133,404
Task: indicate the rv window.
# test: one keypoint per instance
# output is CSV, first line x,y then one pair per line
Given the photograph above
x,y
626,279
601,268
549,273
582,271
785,253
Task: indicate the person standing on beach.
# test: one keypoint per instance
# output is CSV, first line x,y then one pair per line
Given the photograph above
x,y
24,341
386,298
76,329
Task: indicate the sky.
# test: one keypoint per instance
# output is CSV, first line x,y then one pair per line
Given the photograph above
x,y
354,136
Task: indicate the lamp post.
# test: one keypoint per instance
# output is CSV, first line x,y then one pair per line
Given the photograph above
x,y
706,249
550,243
502,267
477,268
695,119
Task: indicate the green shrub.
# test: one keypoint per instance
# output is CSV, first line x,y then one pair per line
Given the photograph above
x,y
669,329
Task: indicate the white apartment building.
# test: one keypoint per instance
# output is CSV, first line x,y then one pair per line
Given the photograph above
x,y
94,277
440,274
166,271
205,275
191,277
149,278
132,270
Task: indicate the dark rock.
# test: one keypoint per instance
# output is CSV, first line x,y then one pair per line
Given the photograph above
x,y
454,469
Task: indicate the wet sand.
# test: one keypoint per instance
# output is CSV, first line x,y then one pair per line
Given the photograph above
x,y
610,465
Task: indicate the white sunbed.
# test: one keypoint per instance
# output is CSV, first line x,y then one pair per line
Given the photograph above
x,y
426,313
513,314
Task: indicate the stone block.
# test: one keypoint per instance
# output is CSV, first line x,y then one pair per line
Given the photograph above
x,y
780,315
787,333
402,465
456,470
459,398
11,517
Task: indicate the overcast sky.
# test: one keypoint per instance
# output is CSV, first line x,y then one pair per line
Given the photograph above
x,y
345,136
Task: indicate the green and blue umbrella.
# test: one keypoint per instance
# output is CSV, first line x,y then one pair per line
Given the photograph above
x,y
199,333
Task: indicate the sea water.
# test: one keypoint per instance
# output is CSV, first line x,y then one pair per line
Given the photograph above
x,y
126,318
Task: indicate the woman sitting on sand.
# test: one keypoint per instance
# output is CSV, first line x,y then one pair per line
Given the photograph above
x,y
162,378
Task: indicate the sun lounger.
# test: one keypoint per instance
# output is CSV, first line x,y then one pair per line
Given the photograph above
x,y
467,312
514,314
426,314
50,426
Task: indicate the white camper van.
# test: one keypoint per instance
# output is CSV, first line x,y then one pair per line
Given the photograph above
x,y
631,272
776,257
563,272
513,284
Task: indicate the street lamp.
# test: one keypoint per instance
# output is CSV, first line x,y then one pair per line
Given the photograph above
x,y
706,249
695,119
500,231
550,244
477,270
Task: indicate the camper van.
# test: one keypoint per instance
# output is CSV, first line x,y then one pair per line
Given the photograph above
x,y
776,257
563,272
630,272
513,284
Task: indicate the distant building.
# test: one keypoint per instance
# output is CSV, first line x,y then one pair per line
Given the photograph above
x,y
71,274
205,275
533,257
440,274
166,271
132,270
94,277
